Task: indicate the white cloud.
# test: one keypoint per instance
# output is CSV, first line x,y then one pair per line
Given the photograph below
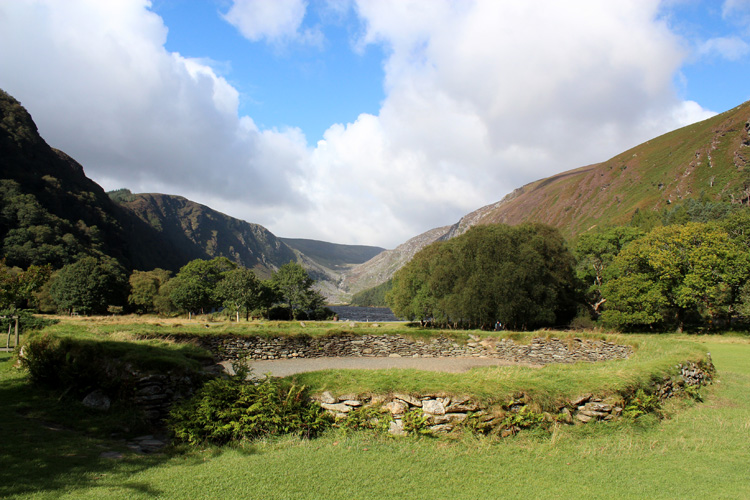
x,y
100,85
482,97
485,96
273,20
731,48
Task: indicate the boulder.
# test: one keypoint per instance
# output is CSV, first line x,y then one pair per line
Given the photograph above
x,y
97,400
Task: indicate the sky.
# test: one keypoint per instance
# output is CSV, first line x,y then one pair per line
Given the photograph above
x,y
363,121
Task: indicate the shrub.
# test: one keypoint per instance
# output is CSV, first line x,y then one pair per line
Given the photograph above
x,y
233,409
367,417
416,422
642,404
524,418
63,363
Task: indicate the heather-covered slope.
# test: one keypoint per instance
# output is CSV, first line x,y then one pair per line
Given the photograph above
x,y
707,159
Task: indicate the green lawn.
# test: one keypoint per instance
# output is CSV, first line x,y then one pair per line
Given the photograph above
x,y
701,451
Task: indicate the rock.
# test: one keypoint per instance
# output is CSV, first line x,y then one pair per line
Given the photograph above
x,y
433,407
462,408
583,418
442,428
336,408
580,400
352,402
396,428
97,400
116,455
408,399
397,407
566,416
377,399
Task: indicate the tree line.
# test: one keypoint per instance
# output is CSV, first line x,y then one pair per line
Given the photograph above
x,y
686,267
100,285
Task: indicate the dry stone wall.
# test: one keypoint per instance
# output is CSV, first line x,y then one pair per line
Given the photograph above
x,y
539,351
442,413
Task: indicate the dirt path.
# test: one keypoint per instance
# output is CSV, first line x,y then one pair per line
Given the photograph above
x,y
285,367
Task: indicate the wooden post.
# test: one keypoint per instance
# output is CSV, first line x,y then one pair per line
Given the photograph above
x,y
17,340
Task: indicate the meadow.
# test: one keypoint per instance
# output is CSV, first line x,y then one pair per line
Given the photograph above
x,y
51,447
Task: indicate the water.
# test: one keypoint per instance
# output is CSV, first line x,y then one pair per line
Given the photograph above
x,y
355,313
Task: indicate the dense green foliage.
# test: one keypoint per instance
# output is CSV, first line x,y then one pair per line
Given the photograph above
x,y
240,291
235,409
145,289
676,274
89,285
17,286
295,289
194,287
522,276
373,297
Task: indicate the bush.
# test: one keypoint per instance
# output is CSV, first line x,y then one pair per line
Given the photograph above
x,y
642,404
368,417
233,409
416,422
27,321
63,363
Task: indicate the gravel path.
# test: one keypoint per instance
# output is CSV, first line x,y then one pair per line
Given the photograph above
x,y
285,367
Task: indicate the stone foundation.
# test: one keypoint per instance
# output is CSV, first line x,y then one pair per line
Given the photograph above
x,y
443,412
539,351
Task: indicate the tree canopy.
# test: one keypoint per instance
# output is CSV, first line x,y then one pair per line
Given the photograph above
x,y
89,285
194,287
674,275
295,288
522,276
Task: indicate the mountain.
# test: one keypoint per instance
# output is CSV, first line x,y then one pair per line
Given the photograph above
x,y
200,232
331,255
50,212
709,160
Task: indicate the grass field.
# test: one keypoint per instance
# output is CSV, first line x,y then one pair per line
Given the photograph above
x,y
699,451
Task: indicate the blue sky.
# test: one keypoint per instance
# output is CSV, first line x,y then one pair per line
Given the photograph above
x,y
363,121
284,84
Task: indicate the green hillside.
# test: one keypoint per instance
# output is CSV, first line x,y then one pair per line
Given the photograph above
x,y
706,160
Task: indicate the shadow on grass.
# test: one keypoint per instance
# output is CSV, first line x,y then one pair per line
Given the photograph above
x,y
39,456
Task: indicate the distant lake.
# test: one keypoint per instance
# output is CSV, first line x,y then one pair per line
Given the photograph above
x,y
355,313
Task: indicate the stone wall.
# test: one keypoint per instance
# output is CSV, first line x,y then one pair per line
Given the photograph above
x,y
444,412
539,351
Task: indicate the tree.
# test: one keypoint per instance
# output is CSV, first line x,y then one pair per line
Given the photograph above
x,y
194,287
17,286
522,276
144,288
90,285
295,288
240,290
594,253
676,275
